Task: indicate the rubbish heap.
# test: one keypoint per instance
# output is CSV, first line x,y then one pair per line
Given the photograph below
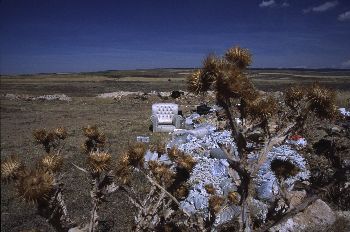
x,y
201,140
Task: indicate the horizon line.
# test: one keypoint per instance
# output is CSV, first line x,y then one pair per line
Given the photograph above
x,y
140,69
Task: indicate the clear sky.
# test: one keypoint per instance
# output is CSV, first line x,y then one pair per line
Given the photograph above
x,y
86,35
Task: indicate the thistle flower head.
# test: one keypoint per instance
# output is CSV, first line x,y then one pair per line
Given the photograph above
x,y
11,168
122,170
235,84
35,185
322,101
284,168
233,197
293,95
136,154
40,135
61,133
101,139
182,191
210,188
195,82
211,69
162,172
186,162
51,162
215,203
99,161
91,131
159,148
174,153
239,57
262,108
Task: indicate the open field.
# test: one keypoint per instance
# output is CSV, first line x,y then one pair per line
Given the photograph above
x,y
121,121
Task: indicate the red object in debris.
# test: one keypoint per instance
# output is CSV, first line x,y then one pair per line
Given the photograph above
x,y
295,137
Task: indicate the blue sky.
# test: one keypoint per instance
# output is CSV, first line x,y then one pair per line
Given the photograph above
x,y
85,35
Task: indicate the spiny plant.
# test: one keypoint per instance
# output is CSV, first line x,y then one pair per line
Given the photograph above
x,y
50,139
236,93
40,185
168,184
94,139
11,168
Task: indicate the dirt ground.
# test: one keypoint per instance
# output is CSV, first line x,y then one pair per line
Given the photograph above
x,y
121,121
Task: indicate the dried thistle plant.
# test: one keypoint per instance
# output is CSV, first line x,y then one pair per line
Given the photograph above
x,y
239,57
99,161
210,188
61,133
158,147
293,96
51,163
232,85
91,132
174,153
162,173
262,108
122,170
35,185
210,71
322,101
11,168
284,168
182,191
136,153
94,139
186,162
215,203
49,139
233,197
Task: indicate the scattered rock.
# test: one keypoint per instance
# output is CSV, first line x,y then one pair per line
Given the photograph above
x,y
316,217
217,153
58,97
295,197
118,95
164,95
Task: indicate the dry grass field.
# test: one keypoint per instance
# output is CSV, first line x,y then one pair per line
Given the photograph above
x,y
121,121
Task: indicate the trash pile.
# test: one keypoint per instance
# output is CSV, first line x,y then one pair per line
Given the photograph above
x,y
25,97
202,141
344,112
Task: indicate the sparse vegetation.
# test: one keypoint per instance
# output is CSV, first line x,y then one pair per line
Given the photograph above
x,y
42,183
